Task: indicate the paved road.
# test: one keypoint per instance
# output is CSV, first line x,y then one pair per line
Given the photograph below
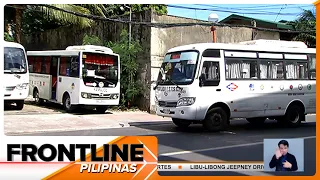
x,y
242,143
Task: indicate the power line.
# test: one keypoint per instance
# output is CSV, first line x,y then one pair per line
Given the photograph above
x,y
167,25
219,10
279,13
253,8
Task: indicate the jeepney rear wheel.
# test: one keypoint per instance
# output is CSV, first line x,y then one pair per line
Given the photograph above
x,y
216,120
67,104
181,123
293,117
36,97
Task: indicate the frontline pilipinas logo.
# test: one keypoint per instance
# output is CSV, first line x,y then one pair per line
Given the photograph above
x,y
132,157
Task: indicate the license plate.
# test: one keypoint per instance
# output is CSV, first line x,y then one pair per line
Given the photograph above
x,y
166,111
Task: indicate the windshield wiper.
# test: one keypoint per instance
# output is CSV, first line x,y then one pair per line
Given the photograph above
x,y
176,85
108,82
169,81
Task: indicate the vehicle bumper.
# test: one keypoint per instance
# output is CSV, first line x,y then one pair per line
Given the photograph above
x,y
183,112
16,94
99,102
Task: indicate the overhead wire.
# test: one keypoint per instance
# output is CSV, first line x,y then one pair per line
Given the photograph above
x,y
255,8
167,25
221,10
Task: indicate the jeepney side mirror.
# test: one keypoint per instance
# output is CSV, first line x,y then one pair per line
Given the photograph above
x,y
202,79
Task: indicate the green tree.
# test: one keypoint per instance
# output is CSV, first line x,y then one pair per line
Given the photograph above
x,y
131,87
55,15
26,19
306,22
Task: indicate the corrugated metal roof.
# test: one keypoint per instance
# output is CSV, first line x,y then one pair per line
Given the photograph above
x,y
275,24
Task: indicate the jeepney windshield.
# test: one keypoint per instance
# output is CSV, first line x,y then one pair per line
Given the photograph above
x,y
14,60
178,68
100,70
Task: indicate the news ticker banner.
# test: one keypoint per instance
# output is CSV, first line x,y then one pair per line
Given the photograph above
x,y
209,166
128,157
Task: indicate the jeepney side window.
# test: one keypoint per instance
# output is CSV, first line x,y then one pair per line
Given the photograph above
x,y
211,73
296,70
277,70
302,70
63,67
252,69
312,67
233,69
45,67
37,64
74,66
241,69
30,63
69,66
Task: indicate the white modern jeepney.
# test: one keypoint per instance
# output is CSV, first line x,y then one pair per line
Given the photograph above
x,y
16,75
87,76
211,83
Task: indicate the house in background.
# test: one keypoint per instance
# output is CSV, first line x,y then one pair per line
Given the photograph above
x,y
235,19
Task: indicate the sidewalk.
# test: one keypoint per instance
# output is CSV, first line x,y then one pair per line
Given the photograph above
x,y
31,123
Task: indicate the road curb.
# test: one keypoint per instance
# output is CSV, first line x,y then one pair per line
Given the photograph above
x,y
120,125
62,130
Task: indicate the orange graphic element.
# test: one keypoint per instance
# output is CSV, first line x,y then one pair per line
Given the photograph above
x,y
180,167
145,170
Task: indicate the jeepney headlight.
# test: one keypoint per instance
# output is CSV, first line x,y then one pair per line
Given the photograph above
x,y
186,101
86,95
114,96
22,86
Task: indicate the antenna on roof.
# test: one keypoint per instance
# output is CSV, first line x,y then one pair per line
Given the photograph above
x,y
278,43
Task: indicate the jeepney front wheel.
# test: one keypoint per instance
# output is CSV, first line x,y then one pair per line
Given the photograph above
x,y
67,103
101,109
216,120
181,123
19,105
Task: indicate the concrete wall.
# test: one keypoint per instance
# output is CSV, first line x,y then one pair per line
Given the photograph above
x,y
155,41
162,39
107,31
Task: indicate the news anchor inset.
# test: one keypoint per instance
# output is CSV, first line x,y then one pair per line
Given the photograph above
x,y
282,160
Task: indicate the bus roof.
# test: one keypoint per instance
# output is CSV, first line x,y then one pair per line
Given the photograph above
x,y
65,52
247,46
74,51
12,44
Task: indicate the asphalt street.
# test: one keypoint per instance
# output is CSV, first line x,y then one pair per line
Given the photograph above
x,y
243,142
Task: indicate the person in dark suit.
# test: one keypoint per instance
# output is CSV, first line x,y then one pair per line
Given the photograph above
x,y
282,159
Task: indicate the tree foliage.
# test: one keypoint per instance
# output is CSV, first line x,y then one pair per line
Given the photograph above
x,y
305,22
131,86
37,19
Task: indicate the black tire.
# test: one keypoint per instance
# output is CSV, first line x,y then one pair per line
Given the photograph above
x,y
37,99
256,121
181,123
101,109
67,104
19,105
216,120
293,117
